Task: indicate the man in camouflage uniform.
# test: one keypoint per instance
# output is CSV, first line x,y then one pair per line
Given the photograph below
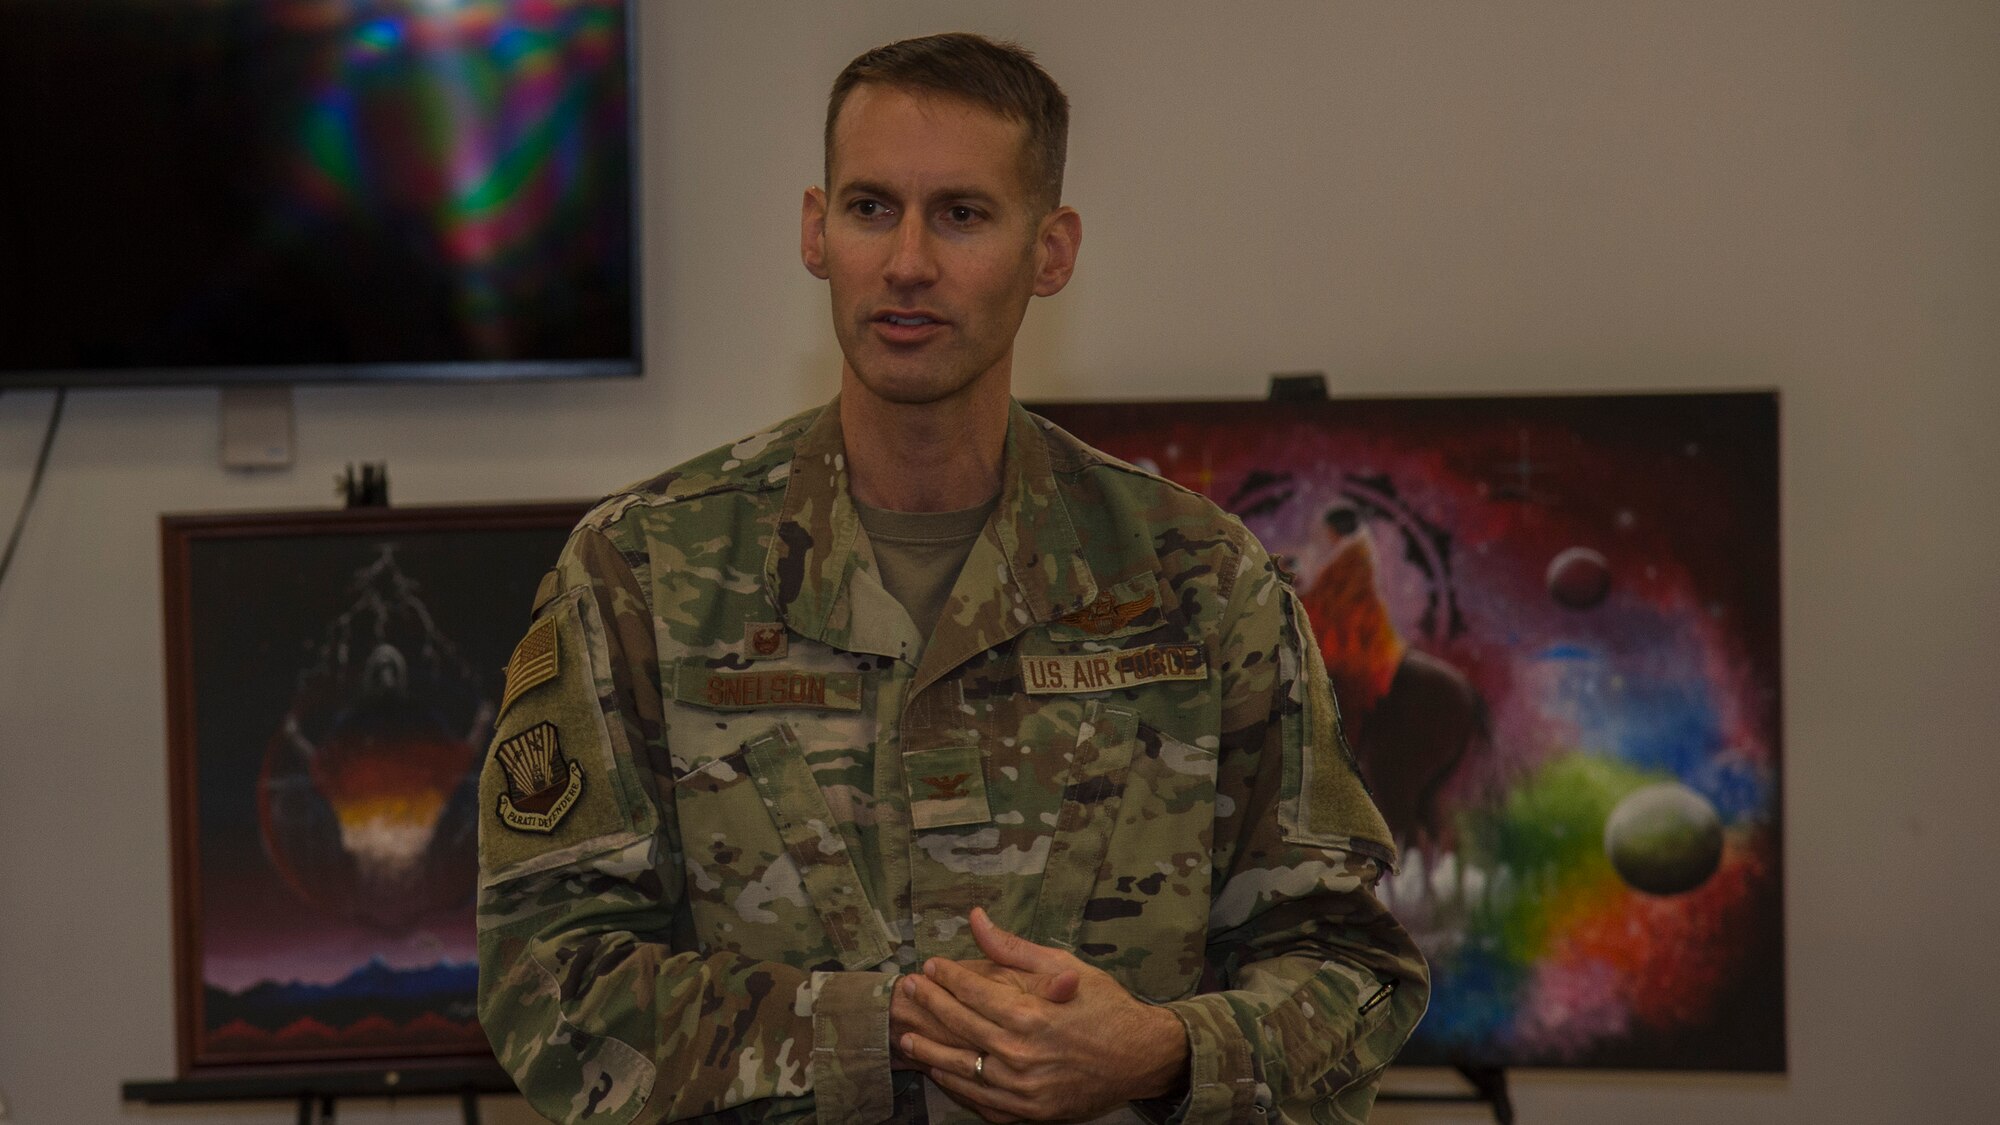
x,y
789,820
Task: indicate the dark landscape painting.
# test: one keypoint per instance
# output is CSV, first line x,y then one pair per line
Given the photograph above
x,y
335,687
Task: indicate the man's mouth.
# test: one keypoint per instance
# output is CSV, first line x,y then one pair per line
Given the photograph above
x,y
907,327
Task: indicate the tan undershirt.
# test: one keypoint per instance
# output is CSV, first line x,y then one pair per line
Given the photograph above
x,y
919,555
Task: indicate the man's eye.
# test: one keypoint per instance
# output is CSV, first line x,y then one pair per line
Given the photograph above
x,y
961,214
869,208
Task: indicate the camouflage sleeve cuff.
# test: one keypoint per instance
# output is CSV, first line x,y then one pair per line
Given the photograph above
x,y
850,1058
1222,1081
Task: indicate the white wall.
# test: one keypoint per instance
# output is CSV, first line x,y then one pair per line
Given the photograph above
x,y
1418,197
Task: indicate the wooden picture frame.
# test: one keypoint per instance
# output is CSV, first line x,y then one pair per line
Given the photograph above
x,y
331,683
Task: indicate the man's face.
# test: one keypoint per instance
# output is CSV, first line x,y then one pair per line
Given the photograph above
x,y
931,241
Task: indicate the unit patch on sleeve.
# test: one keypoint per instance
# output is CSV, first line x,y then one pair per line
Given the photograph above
x,y
542,785
1109,671
533,662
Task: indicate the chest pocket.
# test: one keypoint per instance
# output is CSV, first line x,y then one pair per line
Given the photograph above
x,y
1130,872
1093,790
768,871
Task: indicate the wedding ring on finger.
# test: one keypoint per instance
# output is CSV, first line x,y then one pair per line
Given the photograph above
x,y
979,1068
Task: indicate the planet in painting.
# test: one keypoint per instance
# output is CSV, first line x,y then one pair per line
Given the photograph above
x,y
1664,839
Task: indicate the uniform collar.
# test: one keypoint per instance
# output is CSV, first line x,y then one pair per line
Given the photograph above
x,y
1026,569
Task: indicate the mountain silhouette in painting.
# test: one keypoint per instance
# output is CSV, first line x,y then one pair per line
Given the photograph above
x,y
376,1006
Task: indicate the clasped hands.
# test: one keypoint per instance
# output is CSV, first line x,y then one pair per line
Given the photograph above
x,y
1059,1039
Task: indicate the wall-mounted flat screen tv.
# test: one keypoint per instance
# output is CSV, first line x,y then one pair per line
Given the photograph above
x,y
224,191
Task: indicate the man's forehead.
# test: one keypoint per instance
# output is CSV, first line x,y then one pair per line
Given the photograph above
x,y
917,127
928,98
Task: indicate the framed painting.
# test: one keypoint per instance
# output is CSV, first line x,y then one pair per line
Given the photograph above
x,y
1552,624
332,680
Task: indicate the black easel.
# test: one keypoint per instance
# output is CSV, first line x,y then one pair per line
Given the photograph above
x,y
1489,1085
369,488
1304,386
322,1090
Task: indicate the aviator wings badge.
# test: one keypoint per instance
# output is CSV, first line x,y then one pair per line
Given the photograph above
x,y
1107,616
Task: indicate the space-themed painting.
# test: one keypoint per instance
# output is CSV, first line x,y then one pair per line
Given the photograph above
x,y
333,681
1552,626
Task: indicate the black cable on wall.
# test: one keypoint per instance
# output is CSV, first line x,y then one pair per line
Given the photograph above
x,y
34,483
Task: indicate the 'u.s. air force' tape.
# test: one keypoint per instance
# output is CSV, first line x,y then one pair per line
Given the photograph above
x,y
1109,671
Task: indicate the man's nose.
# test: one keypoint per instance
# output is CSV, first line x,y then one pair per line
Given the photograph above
x,y
913,258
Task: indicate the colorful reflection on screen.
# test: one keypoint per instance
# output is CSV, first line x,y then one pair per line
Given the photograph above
x,y
468,114
323,181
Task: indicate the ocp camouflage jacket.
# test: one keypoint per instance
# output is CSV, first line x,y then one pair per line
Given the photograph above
x,y
732,794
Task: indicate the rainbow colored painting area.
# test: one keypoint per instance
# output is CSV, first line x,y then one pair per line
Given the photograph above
x,y
1552,625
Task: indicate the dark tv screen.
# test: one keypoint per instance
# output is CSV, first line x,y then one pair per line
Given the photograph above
x,y
219,191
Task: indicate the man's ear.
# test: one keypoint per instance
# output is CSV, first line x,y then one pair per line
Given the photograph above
x,y
1056,243
812,232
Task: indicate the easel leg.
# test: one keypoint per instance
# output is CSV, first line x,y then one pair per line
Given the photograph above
x,y
1491,1082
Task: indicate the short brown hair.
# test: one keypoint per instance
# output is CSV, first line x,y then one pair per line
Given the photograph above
x,y
998,76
